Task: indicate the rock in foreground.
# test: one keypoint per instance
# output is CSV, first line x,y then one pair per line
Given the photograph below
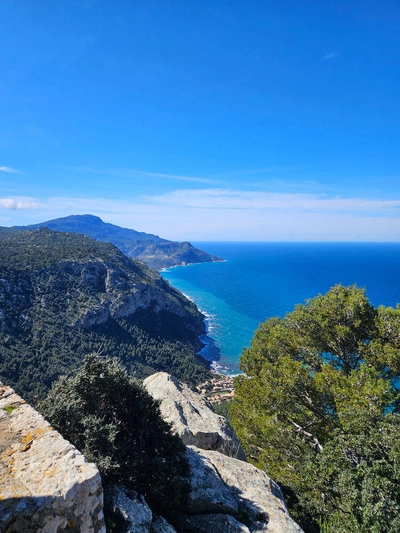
x,y
48,487
192,417
259,500
227,495
46,484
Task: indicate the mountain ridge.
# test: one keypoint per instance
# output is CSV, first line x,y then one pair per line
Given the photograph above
x,y
153,250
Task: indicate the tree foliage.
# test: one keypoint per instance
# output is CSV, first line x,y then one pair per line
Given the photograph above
x,y
317,409
114,422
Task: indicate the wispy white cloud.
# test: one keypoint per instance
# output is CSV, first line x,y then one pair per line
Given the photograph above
x,y
265,170
134,173
9,169
332,55
226,214
218,179
236,199
177,177
12,203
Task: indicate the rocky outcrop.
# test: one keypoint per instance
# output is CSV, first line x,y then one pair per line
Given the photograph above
x,y
217,523
48,487
227,495
46,484
259,500
208,493
88,281
130,508
109,292
160,525
192,417
131,512
230,495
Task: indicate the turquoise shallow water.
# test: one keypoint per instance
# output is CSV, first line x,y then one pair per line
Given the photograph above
x,y
260,280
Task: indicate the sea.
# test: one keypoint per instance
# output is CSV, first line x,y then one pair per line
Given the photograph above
x,y
257,281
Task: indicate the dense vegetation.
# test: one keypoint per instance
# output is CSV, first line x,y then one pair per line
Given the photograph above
x,y
110,417
59,299
32,250
318,409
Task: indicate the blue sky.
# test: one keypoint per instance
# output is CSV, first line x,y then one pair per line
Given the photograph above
x,y
203,119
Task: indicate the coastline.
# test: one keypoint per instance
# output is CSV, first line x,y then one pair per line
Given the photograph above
x,y
165,269
262,280
209,354
204,338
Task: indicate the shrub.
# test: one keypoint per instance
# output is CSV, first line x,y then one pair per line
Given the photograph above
x,y
114,422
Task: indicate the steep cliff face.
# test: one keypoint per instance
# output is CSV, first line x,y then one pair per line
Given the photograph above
x,y
89,286
192,417
89,293
65,295
46,485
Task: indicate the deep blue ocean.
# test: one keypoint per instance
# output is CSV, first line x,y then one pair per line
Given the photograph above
x,y
260,280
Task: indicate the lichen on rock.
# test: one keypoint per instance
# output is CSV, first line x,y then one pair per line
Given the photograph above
x,y
46,484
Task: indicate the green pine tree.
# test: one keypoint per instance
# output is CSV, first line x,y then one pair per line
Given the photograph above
x,y
317,410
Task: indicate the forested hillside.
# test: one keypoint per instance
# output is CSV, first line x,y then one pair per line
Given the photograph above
x,y
64,295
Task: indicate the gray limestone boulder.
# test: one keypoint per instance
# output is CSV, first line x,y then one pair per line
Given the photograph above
x,y
131,509
208,493
228,495
132,514
211,523
46,484
160,525
192,417
259,499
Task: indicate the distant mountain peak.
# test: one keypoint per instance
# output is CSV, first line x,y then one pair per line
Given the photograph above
x,y
85,218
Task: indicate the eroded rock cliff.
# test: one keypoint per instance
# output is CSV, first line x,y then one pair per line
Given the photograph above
x,y
227,495
63,296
